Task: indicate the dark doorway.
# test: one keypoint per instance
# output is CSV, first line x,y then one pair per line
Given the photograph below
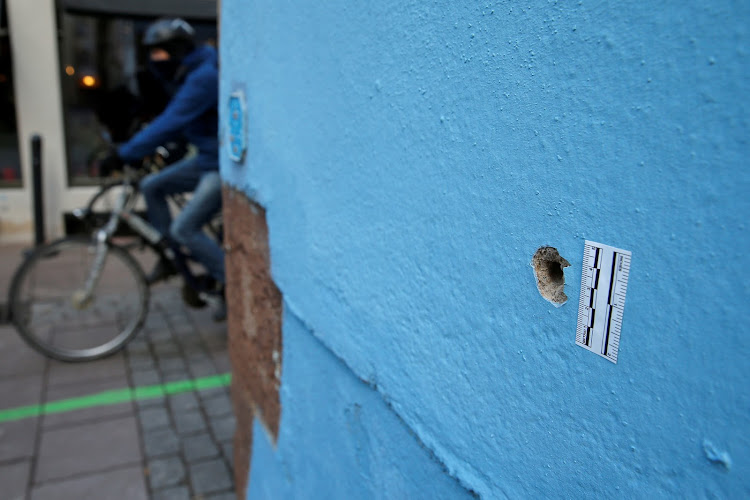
x,y
10,161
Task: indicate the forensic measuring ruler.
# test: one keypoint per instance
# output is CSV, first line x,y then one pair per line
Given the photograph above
x,y
604,281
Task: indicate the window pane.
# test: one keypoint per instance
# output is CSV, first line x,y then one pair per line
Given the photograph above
x,y
10,161
108,92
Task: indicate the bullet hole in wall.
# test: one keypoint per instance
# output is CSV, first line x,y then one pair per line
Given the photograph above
x,y
548,267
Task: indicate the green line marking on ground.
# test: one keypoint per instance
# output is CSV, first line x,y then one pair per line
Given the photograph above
x,y
115,396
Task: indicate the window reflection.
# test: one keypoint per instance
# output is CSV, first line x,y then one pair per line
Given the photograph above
x,y
108,93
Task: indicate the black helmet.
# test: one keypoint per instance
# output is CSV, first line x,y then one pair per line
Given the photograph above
x,y
174,35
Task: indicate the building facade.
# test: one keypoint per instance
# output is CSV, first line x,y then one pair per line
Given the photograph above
x,y
392,168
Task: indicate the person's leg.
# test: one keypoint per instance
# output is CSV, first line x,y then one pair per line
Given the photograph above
x,y
187,227
180,177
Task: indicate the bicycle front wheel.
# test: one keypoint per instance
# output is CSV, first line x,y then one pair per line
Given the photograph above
x,y
51,310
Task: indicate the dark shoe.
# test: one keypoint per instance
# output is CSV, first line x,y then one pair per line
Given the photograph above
x,y
219,313
191,297
161,271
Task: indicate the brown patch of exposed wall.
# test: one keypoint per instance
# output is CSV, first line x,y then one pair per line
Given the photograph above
x,y
254,324
243,437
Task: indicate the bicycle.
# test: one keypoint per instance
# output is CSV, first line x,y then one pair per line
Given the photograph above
x,y
107,302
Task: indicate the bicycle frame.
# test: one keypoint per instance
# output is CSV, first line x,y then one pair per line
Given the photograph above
x,y
124,211
103,238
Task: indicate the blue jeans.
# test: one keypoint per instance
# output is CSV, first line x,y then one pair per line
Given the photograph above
x,y
187,228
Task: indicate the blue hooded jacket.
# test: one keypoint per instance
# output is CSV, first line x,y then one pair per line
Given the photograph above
x,y
192,114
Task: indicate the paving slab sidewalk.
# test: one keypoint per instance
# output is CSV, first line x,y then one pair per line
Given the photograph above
x,y
175,446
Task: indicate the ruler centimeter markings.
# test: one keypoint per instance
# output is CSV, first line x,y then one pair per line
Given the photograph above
x,y
604,282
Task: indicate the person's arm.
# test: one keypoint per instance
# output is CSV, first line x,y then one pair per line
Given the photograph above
x,y
198,94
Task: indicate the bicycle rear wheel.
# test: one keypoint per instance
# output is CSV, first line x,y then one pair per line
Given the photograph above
x,y
46,307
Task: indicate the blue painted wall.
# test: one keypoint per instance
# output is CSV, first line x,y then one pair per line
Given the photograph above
x,y
413,156
338,437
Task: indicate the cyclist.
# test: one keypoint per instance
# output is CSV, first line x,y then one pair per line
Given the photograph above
x,y
189,73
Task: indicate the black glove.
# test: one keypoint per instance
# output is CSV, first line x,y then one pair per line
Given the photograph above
x,y
110,163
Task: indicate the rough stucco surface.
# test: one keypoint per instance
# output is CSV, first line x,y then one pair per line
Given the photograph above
x,y
338,437
412,157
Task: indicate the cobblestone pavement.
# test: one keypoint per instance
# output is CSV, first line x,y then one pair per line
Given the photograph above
x,y
177,446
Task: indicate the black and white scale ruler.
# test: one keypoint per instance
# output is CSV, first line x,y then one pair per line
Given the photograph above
x,y
604,281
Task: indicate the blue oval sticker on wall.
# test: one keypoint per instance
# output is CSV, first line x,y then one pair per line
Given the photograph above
x,y
237,127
